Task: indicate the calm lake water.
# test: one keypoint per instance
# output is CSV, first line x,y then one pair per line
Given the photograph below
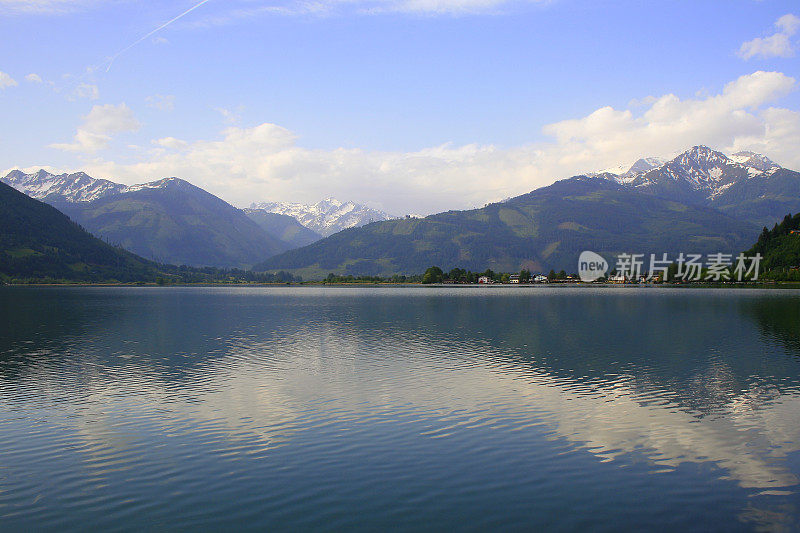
x,y
470,408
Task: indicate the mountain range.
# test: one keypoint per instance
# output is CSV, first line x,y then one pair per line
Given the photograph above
x,y
327,216
746,185
544,229
168,221
702,201
172,221
39,243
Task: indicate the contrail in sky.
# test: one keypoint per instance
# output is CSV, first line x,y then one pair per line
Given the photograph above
x,y
115,56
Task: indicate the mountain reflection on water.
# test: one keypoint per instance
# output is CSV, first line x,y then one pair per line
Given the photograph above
x,y
411,407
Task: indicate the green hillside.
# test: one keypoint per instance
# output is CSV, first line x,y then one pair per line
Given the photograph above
x,y
780,249
37,241
544,229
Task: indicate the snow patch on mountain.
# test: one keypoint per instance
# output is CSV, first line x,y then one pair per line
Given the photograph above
x,y
702,169
624,174
617,170
74,188
77,187
756,163
327,216
158,184
645,164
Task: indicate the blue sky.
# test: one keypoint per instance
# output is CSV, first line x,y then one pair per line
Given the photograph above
x,y
409,105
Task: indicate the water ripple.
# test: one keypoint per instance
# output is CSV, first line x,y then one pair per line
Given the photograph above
x,y
404,408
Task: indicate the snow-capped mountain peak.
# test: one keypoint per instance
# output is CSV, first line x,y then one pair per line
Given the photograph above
x,y
701,161
330,201
76,187
328,216
701,169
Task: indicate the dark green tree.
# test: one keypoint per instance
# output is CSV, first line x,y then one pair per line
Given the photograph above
x,y
457,274
434,274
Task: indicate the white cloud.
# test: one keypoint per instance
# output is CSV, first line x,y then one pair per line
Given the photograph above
x,y
171,142
231,116
266,162
86,90
788,24
735,118
642,102
162,102
778,44
33,78
7,81
47,7
98,127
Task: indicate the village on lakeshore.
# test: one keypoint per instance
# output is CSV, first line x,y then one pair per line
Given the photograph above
x,y
436,276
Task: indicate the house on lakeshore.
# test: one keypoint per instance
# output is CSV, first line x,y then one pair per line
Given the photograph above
x,y
514,279
484,280
618,278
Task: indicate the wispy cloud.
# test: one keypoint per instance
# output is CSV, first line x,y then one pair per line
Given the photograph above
x,y
171,143
6,81
86,90
779,44
162,102
98,127
231,116
48,7
33,78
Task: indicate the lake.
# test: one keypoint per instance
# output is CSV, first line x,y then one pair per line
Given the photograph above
x,y
410,408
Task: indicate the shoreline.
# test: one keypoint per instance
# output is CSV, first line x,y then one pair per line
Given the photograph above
x,y
495,286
